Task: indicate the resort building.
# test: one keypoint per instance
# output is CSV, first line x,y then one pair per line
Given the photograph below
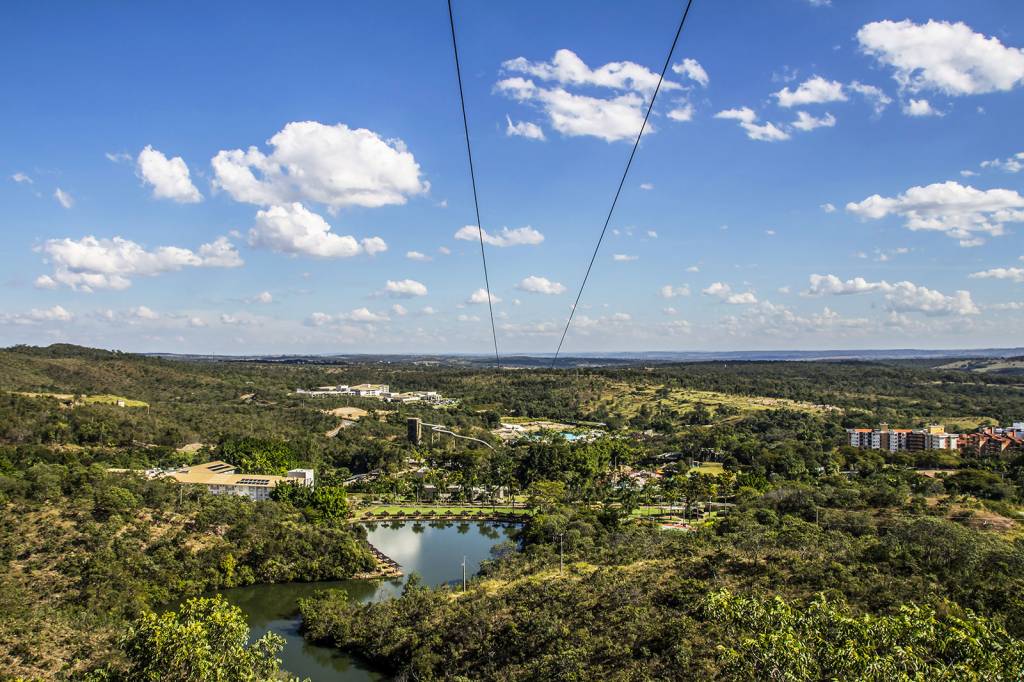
x,y
221,478
933,437
995,441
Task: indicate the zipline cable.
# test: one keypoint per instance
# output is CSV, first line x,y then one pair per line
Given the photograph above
x,y
472,176
622,182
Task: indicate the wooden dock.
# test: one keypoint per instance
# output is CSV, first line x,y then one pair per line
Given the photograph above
x,y
387,567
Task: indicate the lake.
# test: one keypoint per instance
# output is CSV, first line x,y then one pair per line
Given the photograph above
x,y
434,551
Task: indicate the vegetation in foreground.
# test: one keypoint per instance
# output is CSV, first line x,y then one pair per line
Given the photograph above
x,y
808,541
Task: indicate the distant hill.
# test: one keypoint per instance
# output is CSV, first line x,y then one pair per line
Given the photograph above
x,y
1009,365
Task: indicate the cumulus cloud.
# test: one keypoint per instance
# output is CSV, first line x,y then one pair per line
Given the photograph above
x,y
567,68
37,315
647,186
873,94
724,293
669,291
814,90
1012,274
21,178
624,257
961,212
950,58
745,116
691,68
405,288
919,108
617,117
168,177
417,256
359,315
399,310
334,165
479,297
530,131
89,263
1013,164
900,297
63,198
682,113
292,228
807,122
828,208
521,236
540,285
263,297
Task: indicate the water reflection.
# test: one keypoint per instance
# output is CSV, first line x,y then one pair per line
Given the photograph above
x,y
433,550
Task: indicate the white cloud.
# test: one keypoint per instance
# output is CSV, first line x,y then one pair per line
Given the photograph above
x,y
90,263
220,253
428,310
333,165
724,293
573,115
682,113
196,322
373,245
967,173
692,69
63,198
767,132
169,177
118,157
264,297
647,186
807,122
814,90
540,285
900,297
567,68
530,131
143,313
942,56
37,315
406,288
292,228
828,208
1014,164
467,318
652,234
959,211
399,310
417,256
21,178
873,94
363,315
521,236
624,258
693,268
1012,274
479,297
669,291
919,108
618,117
1015,305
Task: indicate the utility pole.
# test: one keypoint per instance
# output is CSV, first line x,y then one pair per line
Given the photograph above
x,y
463,573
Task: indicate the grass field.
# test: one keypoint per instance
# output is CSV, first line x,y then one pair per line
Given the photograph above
x,y
625,400
709,469
112,400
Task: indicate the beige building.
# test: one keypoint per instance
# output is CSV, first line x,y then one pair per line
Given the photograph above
x,y
221,478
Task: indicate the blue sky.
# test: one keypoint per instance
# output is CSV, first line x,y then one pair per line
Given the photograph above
x,y
245,178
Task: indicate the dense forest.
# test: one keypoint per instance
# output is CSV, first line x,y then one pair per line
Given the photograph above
x,y
802,551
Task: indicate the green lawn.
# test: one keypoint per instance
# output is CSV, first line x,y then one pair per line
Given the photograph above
x,y
106,399
443,510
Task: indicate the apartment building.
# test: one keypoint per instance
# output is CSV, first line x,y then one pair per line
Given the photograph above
x,y
933,437
995,441
221,478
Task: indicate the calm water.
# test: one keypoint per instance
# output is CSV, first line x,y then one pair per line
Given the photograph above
x,y
435,552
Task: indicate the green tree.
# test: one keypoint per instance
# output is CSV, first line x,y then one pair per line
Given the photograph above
x,y
206,641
